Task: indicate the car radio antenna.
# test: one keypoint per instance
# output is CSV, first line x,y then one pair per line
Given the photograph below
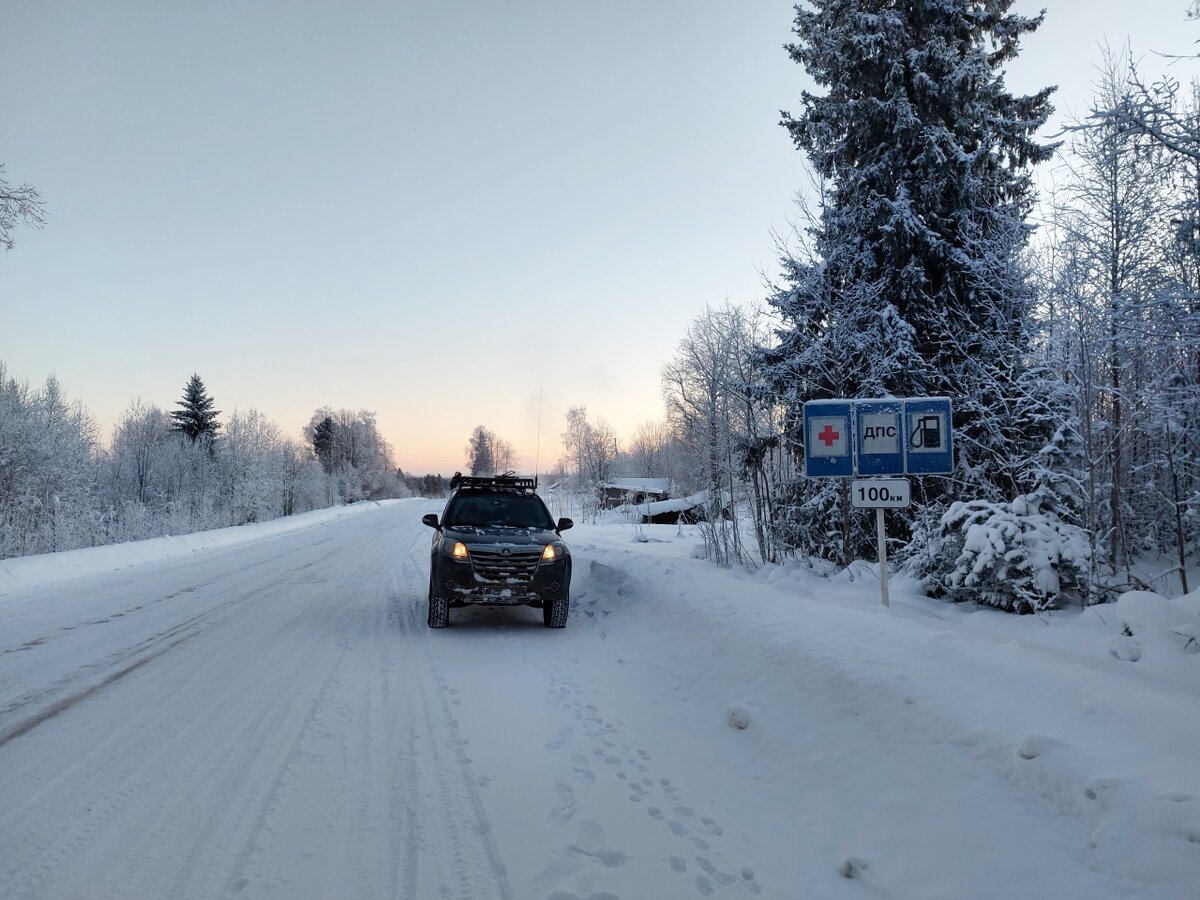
x,y
537,454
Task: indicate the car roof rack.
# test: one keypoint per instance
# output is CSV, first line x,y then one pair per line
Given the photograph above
x,y
507,481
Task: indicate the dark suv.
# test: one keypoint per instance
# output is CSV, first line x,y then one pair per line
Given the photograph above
x,y
497,545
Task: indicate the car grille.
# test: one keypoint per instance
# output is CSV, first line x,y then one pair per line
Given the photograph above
x,y
496,567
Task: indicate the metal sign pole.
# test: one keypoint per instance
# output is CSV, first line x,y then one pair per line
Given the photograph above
x,y
883,585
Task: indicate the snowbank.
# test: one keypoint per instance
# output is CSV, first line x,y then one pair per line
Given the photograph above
x,y
26,573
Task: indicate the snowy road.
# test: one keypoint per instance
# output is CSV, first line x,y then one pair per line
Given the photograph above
x,y
273,719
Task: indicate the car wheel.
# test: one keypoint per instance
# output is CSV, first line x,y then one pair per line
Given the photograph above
x,y
554,612
439,609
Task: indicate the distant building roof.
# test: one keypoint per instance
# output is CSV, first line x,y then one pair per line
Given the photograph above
x,y
679,504
653,485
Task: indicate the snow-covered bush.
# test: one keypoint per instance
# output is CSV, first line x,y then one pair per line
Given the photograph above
x,y
1155,627
1018,556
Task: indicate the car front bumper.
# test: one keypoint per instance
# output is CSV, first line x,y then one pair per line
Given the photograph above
x,y
461,586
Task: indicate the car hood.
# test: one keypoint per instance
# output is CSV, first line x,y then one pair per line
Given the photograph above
x,y
502,535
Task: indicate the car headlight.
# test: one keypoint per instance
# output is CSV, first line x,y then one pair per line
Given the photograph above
x,y
459,552
553,552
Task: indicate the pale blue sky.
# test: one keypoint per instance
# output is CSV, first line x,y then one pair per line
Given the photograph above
x,y
425,209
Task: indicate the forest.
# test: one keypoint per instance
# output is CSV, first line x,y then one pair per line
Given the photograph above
x,y
61,487
929,259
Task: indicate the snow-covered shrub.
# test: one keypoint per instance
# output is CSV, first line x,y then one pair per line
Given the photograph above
x,y
1156,627
1018,556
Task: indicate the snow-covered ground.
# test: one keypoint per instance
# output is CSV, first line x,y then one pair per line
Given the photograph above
x,y
261,712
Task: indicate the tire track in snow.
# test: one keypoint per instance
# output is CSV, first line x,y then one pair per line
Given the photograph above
x,y
330,817
458,818
61,706
153,644
212,749
405,788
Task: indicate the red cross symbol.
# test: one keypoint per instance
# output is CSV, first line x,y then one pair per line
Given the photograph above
x,y
829,435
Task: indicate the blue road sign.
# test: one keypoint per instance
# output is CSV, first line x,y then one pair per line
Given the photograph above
x,y
880,444
827,439
929,444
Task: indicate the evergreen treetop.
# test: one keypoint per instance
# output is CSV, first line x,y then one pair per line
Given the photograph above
x,y
324,442
196,417
927,156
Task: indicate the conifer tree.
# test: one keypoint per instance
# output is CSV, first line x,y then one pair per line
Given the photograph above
x,y
914,284
323,442
196,417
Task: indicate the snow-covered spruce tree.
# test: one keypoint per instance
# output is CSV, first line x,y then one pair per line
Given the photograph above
x,y
914,284
196,417
1029,553
324,439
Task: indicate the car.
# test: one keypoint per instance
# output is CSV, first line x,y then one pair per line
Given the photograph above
x,y
496,544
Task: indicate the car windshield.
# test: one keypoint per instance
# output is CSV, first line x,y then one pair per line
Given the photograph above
x,y
492,510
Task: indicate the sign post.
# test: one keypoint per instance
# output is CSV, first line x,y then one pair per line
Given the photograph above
x,y
880,494
887,436
881,535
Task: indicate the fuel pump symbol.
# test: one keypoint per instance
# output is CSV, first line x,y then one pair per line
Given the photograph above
x,y
928,433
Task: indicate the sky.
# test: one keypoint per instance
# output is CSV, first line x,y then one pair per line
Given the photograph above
x,y
452,214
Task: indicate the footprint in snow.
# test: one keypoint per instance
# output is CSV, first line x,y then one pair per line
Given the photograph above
x,y
560,739
710,826
584,774
591,844
564,809
609,858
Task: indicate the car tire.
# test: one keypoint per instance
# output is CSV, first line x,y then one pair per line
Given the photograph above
x,y
554,612
439,609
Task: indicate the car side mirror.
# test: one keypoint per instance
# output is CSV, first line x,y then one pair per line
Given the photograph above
x,y
564,524
430,519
